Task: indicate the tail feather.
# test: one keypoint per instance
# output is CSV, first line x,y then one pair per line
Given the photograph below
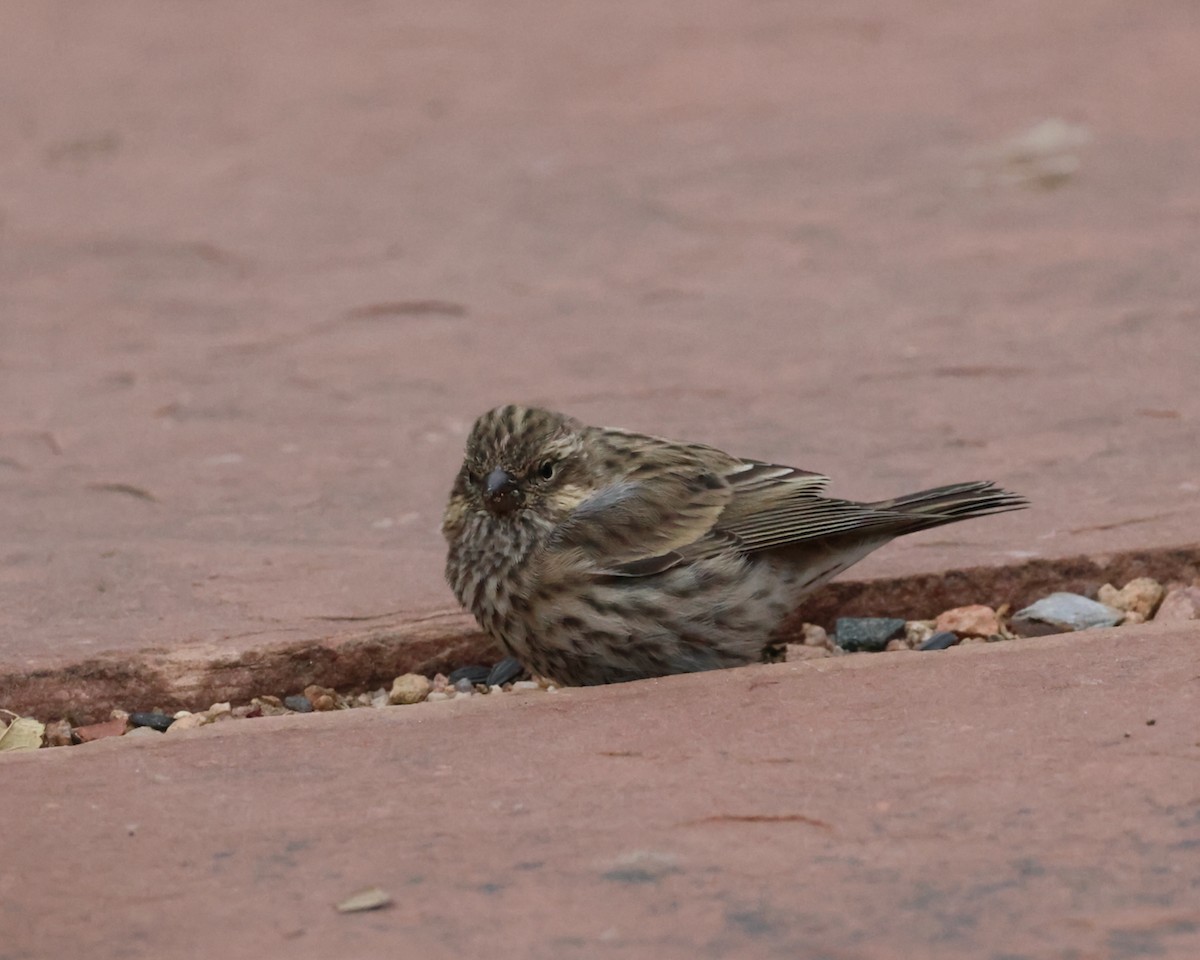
x,y
949,504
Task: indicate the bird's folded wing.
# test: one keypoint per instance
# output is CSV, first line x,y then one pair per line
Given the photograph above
x,y
652,521
633,519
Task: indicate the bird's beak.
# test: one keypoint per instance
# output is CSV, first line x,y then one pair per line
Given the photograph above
x,y
500,491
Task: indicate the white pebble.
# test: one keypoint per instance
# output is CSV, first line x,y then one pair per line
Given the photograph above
x,y
527,685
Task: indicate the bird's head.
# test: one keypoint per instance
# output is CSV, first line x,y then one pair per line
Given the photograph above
x,y
520,462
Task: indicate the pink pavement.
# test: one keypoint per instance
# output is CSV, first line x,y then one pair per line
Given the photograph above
x,y
261,265
1028,799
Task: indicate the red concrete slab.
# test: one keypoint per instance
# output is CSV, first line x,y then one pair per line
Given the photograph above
x,y
261,264
1036,798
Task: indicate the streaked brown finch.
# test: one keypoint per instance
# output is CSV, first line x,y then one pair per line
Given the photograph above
x,y
595,555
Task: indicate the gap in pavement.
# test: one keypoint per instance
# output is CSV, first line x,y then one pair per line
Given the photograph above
x,y
362,657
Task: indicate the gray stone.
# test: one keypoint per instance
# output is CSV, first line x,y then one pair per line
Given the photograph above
x,y
472,674
940,641
505,671
152,719
869,634
1067,612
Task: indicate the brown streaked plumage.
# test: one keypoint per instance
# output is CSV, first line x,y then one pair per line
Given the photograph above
x,y
595,555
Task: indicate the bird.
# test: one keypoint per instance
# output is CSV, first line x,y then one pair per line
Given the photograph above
x,y
597,555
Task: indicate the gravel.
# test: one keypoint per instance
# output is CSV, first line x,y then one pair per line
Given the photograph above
x,y
1135,602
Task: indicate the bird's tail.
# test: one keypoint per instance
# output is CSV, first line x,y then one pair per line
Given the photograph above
x,y
949,504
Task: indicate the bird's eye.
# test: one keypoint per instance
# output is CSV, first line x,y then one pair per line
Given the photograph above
x,y
546,470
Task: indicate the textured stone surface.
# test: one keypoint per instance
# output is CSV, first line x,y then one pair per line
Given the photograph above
x,y
1002,800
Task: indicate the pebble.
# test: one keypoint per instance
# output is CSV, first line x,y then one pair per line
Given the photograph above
x,y
815,635
464,685
380,699
940,641
220,711
473,674
869,634
371,899
505,671
1141,597
191,722
1066,612
270,706
156,721
144,732
526,685
58,734
916,632
440,683
321,698
795,652
98,731
1179,605
438,695
410,688
975,620
897,644
298,703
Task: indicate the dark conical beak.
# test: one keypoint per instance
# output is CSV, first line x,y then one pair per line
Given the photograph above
x,y
500,492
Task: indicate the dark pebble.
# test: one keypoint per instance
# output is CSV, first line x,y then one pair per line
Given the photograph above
x,y
504,672
870,634
298,702
940,641
472,674
155,721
